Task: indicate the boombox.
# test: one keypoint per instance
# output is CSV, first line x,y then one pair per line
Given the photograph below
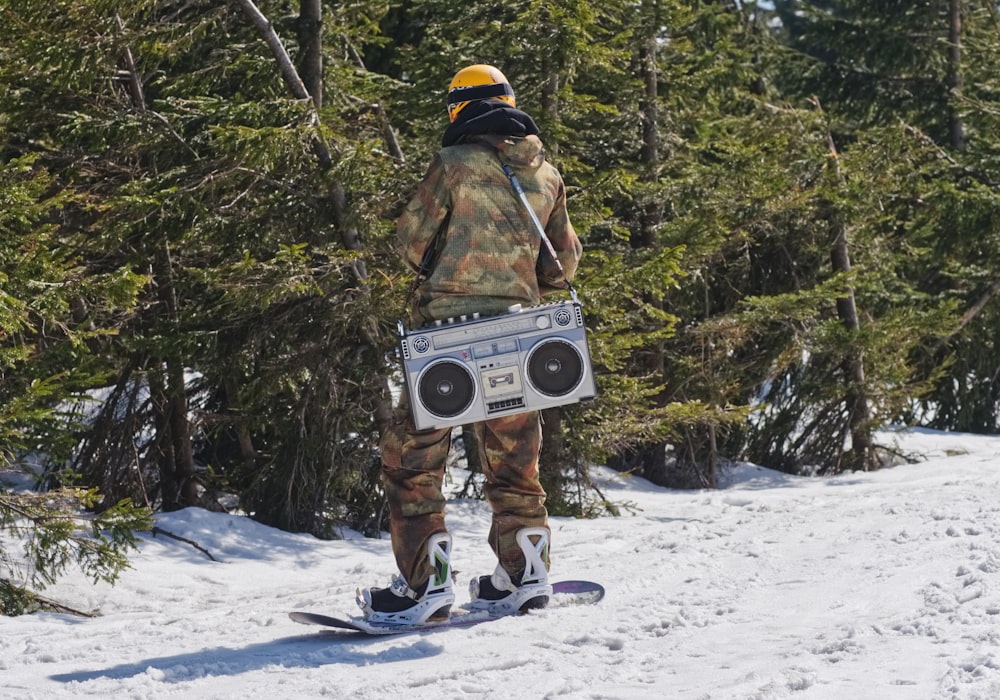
x,y
470,369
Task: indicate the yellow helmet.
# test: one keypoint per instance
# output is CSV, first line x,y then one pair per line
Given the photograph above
x,y
478,82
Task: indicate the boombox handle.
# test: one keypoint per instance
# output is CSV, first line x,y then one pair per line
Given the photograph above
x,y
515,183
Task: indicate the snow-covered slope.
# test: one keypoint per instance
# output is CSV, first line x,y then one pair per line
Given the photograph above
x,y
883,585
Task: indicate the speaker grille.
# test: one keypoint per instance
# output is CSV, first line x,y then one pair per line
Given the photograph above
x,y
555,367
446,388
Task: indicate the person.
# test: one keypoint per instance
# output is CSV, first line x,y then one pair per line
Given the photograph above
x,y
470,241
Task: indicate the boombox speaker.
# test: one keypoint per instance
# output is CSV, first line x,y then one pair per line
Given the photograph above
x,y
467,370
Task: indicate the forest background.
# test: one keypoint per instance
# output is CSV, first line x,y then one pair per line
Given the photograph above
x,y
789,212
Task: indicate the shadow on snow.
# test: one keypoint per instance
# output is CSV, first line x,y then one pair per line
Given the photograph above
x,y
303,651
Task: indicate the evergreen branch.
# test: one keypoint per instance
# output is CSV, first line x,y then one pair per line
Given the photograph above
x,y
56,533
162,120
970,314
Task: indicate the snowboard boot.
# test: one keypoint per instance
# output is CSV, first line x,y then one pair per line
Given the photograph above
x,y
500,594
429,602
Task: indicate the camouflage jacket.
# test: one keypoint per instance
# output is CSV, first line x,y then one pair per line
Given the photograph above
x,y
486,251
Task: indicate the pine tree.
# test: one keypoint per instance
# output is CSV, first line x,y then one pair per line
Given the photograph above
x,y
787,307
874,70
240,368
48,309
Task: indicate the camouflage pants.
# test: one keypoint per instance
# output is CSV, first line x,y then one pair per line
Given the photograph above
x,y
413,466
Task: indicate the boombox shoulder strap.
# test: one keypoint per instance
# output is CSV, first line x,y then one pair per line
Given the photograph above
x,y
516,184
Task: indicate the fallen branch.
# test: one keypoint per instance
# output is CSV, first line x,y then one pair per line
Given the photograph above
x,y
55,606
18,600
160,531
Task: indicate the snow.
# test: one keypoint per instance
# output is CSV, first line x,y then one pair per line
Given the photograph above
x,y
882,585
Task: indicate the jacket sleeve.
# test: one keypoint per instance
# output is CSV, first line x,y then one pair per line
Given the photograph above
x,y
566,244
424,215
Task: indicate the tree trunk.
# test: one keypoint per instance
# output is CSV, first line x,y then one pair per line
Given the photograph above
x,y
550,96
862,452
653,456
650,113
178,488
473,450
310,36
553,460
955,128
862,448
186,479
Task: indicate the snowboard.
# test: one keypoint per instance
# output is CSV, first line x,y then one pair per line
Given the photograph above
x,y
564,593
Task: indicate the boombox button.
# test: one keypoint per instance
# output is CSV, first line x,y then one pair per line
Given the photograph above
x,y
514,309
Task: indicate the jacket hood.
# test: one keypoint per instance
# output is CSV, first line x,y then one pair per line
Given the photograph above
x,y
488,117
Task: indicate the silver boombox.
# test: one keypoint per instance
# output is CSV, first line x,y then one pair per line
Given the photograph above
x,y
468,370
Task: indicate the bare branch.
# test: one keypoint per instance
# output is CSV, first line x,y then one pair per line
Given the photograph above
x,y
288,71
972,312
166,533
285,64
387,131
134,81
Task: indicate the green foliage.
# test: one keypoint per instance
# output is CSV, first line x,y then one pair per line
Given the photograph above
x,y
193,301
917,119
48,306
43,536
871,64
207,182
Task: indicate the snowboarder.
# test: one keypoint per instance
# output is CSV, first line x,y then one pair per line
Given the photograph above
x,y
472,246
